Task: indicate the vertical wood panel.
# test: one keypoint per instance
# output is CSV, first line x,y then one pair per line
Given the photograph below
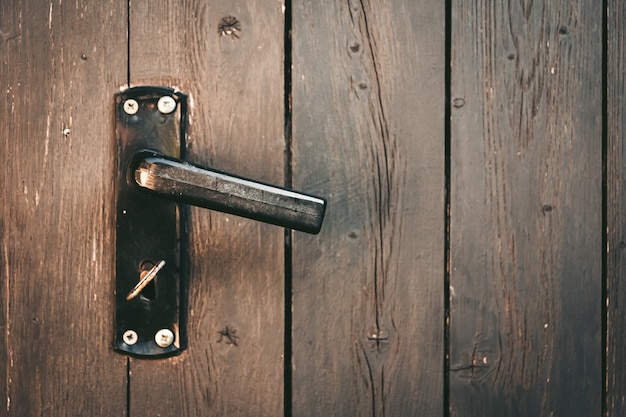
x,y
526,208
60,64
616,207
237,265
368,133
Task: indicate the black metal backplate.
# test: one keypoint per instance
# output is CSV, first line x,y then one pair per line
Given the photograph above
x,y
149,229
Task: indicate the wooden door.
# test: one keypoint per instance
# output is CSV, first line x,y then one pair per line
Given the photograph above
x,y
471,259
526,208
60,63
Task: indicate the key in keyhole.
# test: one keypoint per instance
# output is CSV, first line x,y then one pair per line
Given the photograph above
x,y
148,272
148,292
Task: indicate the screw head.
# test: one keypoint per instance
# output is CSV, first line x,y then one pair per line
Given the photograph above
x,y
130,337
166,104
164,338
131,106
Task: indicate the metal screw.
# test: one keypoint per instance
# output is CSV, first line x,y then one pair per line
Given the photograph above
x,y
131,106
164,338
378,334
166,104
130,337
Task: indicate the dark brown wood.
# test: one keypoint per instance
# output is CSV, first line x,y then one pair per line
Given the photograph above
x,y
616,209
368,133
367,312
60,64
237,265
526,208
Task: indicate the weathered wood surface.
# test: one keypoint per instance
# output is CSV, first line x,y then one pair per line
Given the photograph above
x,y
368,133
367,311
616,209
526,208
237,271
60,64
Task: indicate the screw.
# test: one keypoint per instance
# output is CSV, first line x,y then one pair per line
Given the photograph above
x,y
378,334
164,338
166,104
131,106
130,337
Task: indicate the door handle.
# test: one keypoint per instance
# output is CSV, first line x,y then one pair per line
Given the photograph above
x,y
154,186
204,187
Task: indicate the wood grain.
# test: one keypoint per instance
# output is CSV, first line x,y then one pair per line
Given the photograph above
x,y
237,265
60,64
367,308
368,133
616,207
526,208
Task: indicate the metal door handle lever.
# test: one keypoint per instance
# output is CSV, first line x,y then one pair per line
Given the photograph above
x,y
191,184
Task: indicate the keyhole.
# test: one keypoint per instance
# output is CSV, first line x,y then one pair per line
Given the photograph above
x,y
146,276
149,291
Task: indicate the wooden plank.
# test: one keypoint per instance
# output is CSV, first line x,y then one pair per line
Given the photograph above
x,y
60,64
237,265
616,207
526,208
368,133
